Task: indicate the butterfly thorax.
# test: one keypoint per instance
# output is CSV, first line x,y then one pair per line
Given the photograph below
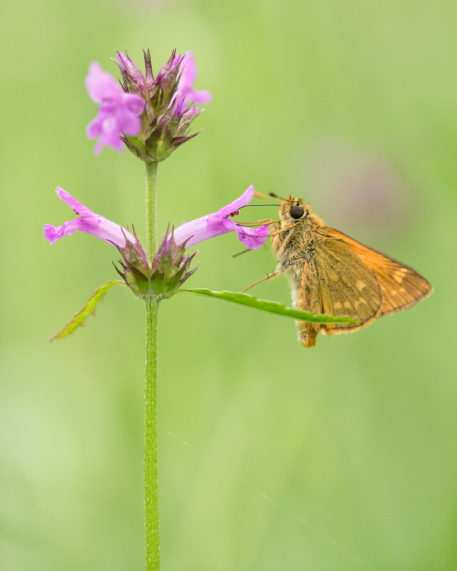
x,y
297,242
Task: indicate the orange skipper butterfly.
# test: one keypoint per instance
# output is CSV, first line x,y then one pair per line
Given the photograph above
x,y
334,274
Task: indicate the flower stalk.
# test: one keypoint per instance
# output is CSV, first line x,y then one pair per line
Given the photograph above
x,y
150,201
151,489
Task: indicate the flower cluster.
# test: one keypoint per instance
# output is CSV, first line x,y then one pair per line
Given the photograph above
x,y
150,115
170,266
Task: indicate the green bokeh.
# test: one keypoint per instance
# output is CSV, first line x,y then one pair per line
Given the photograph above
x,y
272,456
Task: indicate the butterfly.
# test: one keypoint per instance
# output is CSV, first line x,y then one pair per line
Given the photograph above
x,y
334,274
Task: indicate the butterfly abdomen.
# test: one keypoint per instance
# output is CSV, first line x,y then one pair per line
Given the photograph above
x,y
296,259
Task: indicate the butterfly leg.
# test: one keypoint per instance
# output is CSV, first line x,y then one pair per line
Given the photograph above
x,y
267,277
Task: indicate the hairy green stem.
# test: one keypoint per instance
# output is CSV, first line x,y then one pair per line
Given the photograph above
x,y
151,208
151,488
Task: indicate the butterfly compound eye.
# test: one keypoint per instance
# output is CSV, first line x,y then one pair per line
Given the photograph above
x,y
297,211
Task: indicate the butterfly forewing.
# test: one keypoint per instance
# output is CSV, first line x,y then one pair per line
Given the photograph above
x,y
401,286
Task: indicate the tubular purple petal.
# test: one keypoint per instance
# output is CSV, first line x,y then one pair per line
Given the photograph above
x,y
236,204
128,122
253,238
185,94
119,112
74,204
100,84
134,103
218,223
88,222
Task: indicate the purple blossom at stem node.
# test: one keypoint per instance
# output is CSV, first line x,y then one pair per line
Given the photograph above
x,y
219,223
189,233
88,222
119,112
149,115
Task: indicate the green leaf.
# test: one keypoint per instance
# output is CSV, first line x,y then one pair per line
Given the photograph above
x,y
89,309
271,306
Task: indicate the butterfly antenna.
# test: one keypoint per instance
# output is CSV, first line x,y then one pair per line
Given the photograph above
x,y
265,197
273,195
242,252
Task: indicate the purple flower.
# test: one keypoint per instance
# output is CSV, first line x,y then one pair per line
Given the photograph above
x,y
119,112
170,266
185,94
219,223
88,222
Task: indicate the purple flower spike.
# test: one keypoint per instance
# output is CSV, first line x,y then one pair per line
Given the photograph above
x,y
185,94
218,223
119,112
88,222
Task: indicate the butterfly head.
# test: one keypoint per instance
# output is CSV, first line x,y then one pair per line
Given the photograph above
x,y
292,210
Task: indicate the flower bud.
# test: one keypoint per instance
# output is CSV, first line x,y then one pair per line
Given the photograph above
x,y
168,270
170,104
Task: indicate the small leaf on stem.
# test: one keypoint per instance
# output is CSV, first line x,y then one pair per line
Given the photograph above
x,y
89,309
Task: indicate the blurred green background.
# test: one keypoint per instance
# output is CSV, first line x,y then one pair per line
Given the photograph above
x,y
341,457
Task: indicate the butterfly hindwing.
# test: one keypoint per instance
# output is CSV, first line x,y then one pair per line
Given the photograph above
x,y
347,286
335,282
